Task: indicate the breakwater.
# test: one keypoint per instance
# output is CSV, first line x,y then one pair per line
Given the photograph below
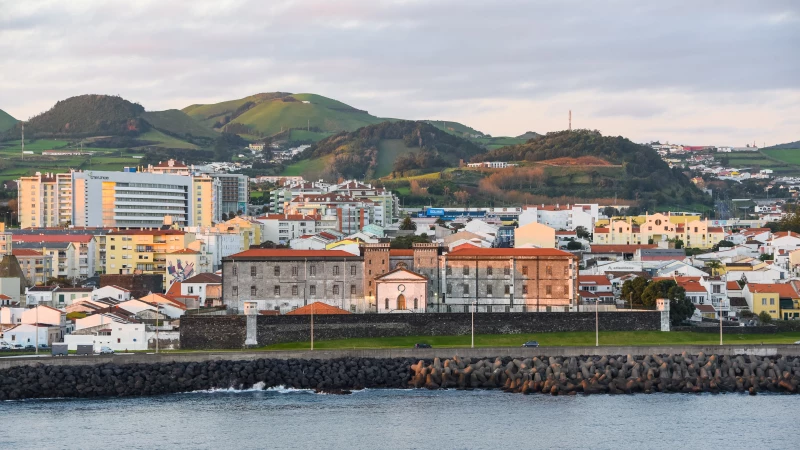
x,y
540,374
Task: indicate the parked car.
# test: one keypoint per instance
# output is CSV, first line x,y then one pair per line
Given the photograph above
x,y
422,345
17,346
533,344
30,347
105,350
797,342
43,346
4,346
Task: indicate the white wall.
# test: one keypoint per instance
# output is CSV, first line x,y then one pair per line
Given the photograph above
x,y
123,337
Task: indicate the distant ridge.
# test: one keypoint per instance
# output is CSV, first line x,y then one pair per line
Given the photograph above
x,y
795,144
6,121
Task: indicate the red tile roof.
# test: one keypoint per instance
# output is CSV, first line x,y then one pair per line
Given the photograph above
x,y
317,308
705,308
174,289
204,278
185,251
783,290
732,286
25,252
285,217
509,252
601,230
600,280
147,232
715,230
693,286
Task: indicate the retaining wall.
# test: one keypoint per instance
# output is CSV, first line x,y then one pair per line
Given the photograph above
x,y
199,332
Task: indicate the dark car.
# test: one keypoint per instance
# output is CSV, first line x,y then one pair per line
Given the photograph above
x,y
533,344
422,345
30,347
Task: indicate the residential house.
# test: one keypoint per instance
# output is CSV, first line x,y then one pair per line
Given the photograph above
x,y
37,267
117,293
774,299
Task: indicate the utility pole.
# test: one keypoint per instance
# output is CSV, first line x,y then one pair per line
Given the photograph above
x,y
570,120
312,326
23,141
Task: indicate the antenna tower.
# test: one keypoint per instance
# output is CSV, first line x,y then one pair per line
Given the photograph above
x,y
570,120
23,141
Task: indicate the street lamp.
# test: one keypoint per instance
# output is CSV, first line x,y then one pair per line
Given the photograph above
x,y
597,322
474,305
37,329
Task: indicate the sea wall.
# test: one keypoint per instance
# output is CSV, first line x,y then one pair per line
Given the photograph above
x,y
555,375
199,332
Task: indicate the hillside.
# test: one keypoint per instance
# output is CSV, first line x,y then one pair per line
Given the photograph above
x,y
6,121
456,128
177,123
389,147
269,113
795,144
528,135
643,174
88,115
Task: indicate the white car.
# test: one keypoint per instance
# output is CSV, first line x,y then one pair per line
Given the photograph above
x,y
798,342
105,350
5,346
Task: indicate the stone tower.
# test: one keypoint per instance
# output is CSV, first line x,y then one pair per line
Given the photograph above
x,y
426,262
376,263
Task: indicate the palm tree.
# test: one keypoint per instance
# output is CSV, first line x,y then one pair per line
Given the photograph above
x,y
714,266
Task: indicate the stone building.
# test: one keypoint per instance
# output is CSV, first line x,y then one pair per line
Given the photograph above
x,y
284,280
509,279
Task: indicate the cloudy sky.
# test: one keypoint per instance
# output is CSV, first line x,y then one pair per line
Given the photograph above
x,y
692,72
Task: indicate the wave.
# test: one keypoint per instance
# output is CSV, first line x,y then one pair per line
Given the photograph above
x,y
261,387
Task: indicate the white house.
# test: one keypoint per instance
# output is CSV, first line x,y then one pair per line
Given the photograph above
x,y
43,314
136,306
561,217
26,334
282,228
117,293
119,336
199,285
39,295
11,315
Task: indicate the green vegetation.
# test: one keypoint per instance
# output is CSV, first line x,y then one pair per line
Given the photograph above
x,y
459,129
6,121
389,150
528,135
564,339
787,155
177,123
311,169
162,140
297,135
788,145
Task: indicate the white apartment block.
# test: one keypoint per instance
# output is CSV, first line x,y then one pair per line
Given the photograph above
x,y
561,217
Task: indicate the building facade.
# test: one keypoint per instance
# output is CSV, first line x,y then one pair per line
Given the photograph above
x,y
44,200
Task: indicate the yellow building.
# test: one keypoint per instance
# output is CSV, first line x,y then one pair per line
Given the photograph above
x,y
656,228
536,235
44,200
780,301
674,218
205,196
143,251
249,229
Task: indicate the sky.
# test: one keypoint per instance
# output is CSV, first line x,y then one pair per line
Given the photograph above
x,y
689,72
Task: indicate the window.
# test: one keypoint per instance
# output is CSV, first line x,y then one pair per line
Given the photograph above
x,y
353,270
506,271
489,290
253,291
253,271
449,270
466,289
548,270
489,270
294,290
465,270
312,271
113,247
763,302
277,290
235,270
772,301
189,290
524,289
352,289
336,289
335,270
235,290
524,270
416,303
548,290
277,271
449,289
507,290
386,306
312,290
716,289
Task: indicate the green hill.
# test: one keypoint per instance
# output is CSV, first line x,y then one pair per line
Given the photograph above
x,y
270,113
6,121
528,135
643,175
456,128
795,144
85,116
177,123
388,147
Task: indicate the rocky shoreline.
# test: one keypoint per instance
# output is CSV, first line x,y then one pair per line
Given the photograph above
x,y
549,375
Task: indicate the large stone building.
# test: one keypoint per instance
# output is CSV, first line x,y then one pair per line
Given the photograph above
x,y
495,280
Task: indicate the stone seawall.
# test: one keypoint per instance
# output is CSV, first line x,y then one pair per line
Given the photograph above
x,y
555,375
199,332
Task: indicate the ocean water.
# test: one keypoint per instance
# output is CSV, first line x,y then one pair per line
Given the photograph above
x,y
280,418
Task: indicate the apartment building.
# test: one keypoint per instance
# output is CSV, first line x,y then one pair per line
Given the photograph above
x,y
235,192
206,195
389,205
36,266
44,200
143,251
6,241
561,217
282,228
352,214
93,252
657,228
73,255
220,242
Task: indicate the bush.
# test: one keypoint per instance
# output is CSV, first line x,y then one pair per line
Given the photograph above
x,y
574,245
764,317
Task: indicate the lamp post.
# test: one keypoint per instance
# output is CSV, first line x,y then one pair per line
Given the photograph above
x,y
474,306
720,321
37,329
597,323
312,326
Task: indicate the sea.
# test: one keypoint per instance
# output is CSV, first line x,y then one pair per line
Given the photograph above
x,y
279,418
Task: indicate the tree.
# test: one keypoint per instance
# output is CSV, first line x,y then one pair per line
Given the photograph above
x,y
574,245
714,266
767,257
764,317
582,233
408,224
632,290
678,243
440,222
406,242
680,308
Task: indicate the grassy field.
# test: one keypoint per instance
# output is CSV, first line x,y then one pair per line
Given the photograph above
x,y
566,339
459,129
6,121
303,135
388,151
179,123
787,155
311,169
15,147
165,140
